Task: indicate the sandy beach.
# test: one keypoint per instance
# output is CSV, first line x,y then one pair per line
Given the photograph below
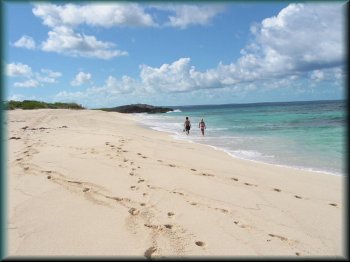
x,y
94,183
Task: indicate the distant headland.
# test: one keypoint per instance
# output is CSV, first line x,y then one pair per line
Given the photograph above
x,y
138,108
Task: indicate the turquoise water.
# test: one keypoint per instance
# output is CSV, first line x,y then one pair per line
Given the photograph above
x,y
306,135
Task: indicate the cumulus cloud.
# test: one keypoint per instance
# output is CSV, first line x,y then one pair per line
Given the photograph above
x,y
18,69
302,37
64,40
81,78
64,21
183,16
303,42
32,79
104,15
27,83
25,42
48,76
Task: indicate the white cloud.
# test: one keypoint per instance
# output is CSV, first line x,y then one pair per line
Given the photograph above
x,y
188,15
27,83
172,77
283,52
70,96
32,79
302,37
25,42
18,69
65,19
81,78
51,73
104,15
64,40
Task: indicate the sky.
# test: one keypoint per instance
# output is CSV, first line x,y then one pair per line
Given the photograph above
x,y
107,54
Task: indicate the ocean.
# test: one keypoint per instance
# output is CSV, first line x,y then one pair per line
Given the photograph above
x,y
303,135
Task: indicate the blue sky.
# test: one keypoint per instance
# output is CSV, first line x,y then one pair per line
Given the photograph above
x,y
174,53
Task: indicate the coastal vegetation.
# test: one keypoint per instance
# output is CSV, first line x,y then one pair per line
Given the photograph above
x,y
133,108
138,108
33,104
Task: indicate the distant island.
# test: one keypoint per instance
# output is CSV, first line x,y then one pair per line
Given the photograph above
x,y
33,104
138,108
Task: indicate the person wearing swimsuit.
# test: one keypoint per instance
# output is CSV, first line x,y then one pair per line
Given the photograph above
x,y
187,125
202,126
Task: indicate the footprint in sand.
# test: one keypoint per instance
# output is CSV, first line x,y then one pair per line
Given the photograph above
x,y
140,180
150,251
223,210
48,177
133,188
170,214
279,237
115,198
168,226
333,204
171,165
235,179
134,211
192,169
131,173
193,204
151,226
277,190
248,184
13,137
242,225
299,197
200,243
86,189
175,192
205,174
160,160
74,182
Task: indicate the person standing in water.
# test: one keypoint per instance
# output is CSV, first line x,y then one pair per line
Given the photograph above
x,y
187,126
202,126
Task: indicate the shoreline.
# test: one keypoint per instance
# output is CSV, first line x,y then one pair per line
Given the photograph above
x,y
175,136
89,177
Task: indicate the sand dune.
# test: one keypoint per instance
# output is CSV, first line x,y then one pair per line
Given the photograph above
x,y
93,183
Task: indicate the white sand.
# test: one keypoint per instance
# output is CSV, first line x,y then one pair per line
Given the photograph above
x,y
92,183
